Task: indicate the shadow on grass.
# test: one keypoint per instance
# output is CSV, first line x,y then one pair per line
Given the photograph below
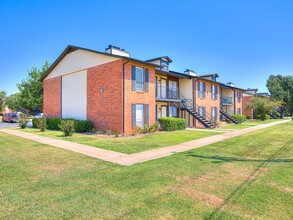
x,y
235,159
241,189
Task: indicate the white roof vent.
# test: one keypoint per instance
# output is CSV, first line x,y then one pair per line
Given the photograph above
x,y
190,72
116,51
230,84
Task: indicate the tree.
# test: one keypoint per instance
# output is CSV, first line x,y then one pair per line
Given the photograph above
x,y
2,99
13,102
281,89
262,105
30,94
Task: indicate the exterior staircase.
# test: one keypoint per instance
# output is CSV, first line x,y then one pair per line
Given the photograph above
x,y
229,117
191,108
274,115
286,114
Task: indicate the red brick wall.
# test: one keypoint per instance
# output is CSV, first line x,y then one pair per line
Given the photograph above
x,y
52,99
207,102
245,101
134,97
105,108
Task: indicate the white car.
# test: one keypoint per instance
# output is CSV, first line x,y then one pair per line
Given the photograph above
x,y
39,115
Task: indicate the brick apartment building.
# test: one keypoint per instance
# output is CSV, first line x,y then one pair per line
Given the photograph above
x,y
119,93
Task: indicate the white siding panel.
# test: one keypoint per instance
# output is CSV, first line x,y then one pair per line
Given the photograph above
x,y
74,95
79,60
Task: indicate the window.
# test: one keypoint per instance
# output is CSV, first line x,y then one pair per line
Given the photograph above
x,y
173,111
140,79
137,115
214,90
139,83
214,113
202,111
238,110
238,96
164,65
201,89
140,115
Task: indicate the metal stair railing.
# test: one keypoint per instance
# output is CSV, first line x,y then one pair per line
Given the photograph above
x,y
189,104
227,115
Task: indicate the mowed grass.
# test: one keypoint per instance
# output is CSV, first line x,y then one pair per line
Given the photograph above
x,y
128,145
247,177
248,124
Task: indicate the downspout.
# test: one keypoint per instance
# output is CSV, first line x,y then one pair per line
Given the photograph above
x,y
234,101
123,97
194,98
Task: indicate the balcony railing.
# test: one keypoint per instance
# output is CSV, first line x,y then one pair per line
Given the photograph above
x,y
163,92
226,100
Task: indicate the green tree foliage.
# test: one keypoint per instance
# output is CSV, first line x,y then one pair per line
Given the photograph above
x,y
30,94
263,106
2,99
281,89
13,102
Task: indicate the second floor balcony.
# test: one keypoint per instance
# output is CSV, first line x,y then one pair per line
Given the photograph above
x,y
163,93
226,100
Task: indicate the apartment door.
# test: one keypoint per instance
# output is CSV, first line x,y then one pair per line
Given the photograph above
x,y
163,88
164,111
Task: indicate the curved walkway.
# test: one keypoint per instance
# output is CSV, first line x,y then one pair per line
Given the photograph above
x,y
130,159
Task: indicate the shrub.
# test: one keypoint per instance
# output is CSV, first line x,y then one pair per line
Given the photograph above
x,y
41,124
143,130
172,124
240,118
79,125
262,117
53,123
67,126
23,122
154,128
83,125
116,134
34,123
248,117
148,129
228,121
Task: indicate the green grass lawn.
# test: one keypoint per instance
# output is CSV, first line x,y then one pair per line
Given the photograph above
x,y
248,124
128,145
247,177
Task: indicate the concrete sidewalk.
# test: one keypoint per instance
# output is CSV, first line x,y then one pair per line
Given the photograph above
x,y
126,159
79,148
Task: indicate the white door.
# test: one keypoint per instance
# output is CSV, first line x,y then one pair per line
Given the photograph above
x,y
74,92
164,111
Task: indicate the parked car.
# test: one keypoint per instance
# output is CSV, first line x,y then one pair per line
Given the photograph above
x,y
39,115
11,117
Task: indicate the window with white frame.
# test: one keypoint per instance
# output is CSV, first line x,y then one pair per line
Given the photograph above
x,y
202,111
214,92
139,115
238,110
238,96
214,113
139,77
173,111
201,89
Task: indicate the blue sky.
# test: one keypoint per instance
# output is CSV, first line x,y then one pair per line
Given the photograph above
x,y
243,41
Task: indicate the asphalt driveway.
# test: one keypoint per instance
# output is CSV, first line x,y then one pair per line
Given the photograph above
x,y
11,125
